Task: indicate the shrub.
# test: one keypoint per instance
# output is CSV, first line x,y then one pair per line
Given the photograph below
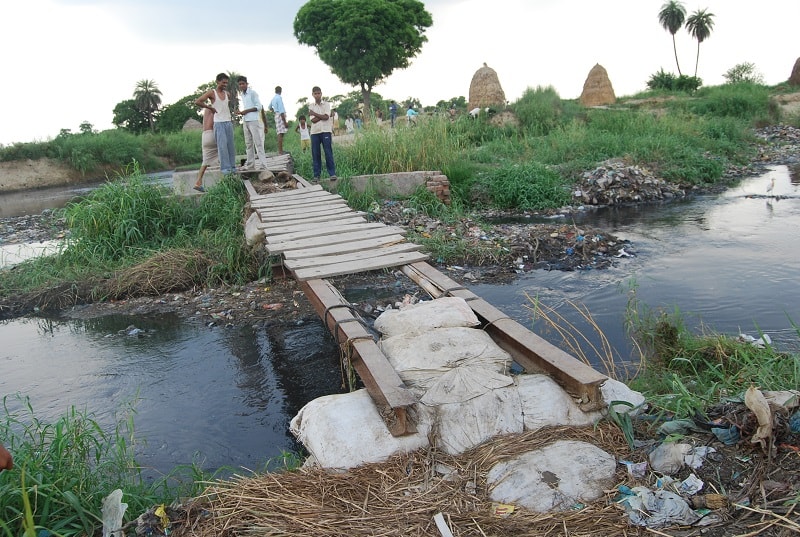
x,y
539,110
743,72
670,82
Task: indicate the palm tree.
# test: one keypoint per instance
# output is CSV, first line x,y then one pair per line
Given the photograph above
x,y
699,25
671,17
147,98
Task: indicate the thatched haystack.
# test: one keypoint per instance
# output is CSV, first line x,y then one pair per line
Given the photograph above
x,y
485,89
597,90
794,79
192,125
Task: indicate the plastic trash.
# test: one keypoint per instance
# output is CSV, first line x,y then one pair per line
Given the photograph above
x,y
658,509
113,511
691,485
636,470
729,436
794,422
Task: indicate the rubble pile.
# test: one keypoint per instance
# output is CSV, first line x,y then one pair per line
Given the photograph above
x,y
616,183
782,145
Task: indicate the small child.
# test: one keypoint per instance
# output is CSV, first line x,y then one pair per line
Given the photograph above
x,y
305,136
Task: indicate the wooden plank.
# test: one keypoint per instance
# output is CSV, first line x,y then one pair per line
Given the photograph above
x,y
281,247
302,196
295,264
314,219
353,267
322,231
289,208
295,192
343,248
529,350
379,377
304,224
268,217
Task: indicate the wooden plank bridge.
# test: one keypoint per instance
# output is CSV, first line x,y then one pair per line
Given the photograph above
x,y
316,236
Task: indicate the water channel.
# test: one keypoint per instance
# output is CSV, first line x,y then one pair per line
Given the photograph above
x,y
224,396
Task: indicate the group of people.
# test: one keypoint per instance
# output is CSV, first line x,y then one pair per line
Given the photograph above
x,y
217,139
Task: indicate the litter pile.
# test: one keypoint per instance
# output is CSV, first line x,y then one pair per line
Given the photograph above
x,y
615,183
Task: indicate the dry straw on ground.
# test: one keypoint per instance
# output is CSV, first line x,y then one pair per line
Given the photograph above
x,y
400,497
165,272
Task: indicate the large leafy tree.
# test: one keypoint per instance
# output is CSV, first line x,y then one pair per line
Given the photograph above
x,y
173,117
127,116
671,17
699,25
147,97
363,41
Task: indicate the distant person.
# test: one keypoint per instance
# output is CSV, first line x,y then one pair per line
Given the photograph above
x,y
359,122
209,146
411,116
392,112
349,125
305,134
452,113
321,135
379,117
6,460
281,126
253,130
223,125
335,120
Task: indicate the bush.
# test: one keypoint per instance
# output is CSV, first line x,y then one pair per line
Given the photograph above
x,y
539,110
743,72
668,81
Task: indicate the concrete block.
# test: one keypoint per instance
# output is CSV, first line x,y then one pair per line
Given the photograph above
x,y
183,182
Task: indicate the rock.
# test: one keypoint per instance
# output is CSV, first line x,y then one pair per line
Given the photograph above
x,y
794,78
597,90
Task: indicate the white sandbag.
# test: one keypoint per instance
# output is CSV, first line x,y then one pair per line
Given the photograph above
x,y
463,383
421,359
252,233
446,312
345,430
614,390
553,478
462,426
545,403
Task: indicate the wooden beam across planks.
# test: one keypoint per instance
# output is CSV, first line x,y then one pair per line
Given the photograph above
x,y
305,199
358,265
303,209
379,377
334,228
529,350
313,242
269,217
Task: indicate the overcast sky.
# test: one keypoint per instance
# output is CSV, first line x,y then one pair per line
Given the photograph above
x,y
70,61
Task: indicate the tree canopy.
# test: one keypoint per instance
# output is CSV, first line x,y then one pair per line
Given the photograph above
x,y
363,41
671,18
699,25
147,98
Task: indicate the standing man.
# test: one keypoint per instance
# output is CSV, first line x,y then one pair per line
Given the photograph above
x,y
223,126
393,112
281,126
321,135
209,147
253,131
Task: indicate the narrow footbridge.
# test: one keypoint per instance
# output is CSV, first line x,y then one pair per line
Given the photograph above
x,y
316,235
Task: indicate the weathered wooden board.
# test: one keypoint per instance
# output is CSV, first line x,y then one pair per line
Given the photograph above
x,y
310,197
379,377
363,265
285,194
309,262
319,220
267,216
313,242
303,209
303,225
345,247
323,231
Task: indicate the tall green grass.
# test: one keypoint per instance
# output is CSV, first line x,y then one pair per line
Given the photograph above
x,y
63,469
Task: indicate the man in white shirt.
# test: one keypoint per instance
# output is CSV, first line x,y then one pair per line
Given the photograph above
x,y
253,130
321,135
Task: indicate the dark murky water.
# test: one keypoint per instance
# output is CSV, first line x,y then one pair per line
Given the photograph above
x,y
225,396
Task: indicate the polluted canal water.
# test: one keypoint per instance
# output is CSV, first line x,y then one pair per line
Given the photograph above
x,y
224,396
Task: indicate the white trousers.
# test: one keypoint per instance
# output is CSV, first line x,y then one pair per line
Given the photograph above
x,y
254,142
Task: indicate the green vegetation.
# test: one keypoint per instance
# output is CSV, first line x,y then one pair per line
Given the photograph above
x,y
127,224
64,469
389,34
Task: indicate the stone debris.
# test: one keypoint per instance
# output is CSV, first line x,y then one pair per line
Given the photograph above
x,y
32,229
615,183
